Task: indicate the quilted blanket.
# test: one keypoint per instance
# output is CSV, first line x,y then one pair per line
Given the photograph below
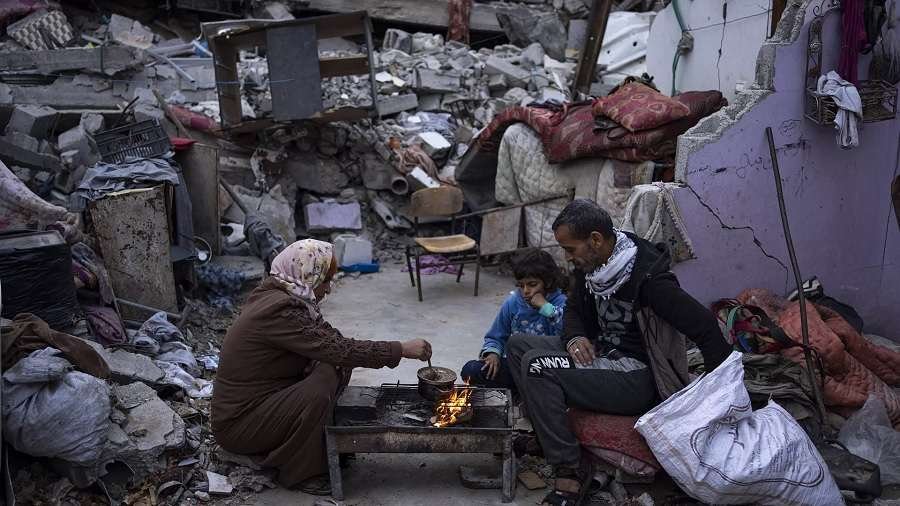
x,y
853,366
569,132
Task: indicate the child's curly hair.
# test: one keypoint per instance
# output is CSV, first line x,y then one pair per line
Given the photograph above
x,y
537,263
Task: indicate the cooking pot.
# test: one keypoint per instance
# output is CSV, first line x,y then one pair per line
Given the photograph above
x,y
436,383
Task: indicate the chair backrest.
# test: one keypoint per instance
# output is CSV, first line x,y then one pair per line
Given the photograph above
x,y
440,201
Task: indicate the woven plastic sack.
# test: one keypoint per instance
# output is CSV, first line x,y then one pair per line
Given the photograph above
x,y
51,410
720,451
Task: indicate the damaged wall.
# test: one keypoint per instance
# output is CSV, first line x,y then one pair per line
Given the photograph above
x,y
738,30
838,201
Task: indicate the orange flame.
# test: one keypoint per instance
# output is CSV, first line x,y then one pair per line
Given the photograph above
x,y
454,409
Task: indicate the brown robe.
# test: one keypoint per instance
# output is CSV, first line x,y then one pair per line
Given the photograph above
x,y
279,374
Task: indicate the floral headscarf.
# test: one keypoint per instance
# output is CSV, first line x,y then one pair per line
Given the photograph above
x,y
303,266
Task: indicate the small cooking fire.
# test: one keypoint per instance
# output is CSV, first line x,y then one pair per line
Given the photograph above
x,y
456,409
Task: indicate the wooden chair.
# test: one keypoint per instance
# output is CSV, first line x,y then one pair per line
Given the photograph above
x,y
460,249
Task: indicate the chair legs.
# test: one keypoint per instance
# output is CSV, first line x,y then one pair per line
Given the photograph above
x,y
477,269
409,268
418,276
460,273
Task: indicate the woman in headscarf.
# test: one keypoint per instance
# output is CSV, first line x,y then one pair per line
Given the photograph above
x,y
282,367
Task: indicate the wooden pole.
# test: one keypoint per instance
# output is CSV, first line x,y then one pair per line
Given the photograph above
x,y
584,73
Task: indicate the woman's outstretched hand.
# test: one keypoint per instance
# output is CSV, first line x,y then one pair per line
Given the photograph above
x,y
418,349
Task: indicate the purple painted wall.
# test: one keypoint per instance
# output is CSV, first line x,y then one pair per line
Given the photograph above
x,y
838,203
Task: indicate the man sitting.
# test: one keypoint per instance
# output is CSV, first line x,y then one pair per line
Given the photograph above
x,y
622,350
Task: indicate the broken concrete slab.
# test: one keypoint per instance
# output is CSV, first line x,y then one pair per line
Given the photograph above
x,y
273,10
133,394
533,56
376,173
154,427
419,179
33,120
42,29
77,139
317,174
396,103
515,76
432,81
434,144
331,216
430,102
126,367
523,26
17,148
109,60
129,32
387,214
397,39
92,122
497,82
218,484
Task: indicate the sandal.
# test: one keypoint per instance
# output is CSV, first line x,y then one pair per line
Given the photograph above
x,y
584,474
317,485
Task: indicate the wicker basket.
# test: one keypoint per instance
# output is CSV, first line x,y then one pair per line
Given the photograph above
x,y
879,103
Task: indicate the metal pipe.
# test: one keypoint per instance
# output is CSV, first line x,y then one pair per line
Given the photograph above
x,y
172,316
587,62
399,185
234,196
804,327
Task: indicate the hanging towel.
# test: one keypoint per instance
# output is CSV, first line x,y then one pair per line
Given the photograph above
x,y
651,213
849,113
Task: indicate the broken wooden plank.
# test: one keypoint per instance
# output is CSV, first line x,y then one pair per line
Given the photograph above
x,y
431,13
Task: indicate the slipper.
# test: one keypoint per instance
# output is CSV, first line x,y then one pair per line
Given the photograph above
x,y
584,474
317,485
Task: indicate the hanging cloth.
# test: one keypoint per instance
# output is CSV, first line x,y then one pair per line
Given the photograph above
x,y
853,39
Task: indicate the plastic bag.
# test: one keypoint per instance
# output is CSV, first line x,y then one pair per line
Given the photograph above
x,y
720,451
868,433
51,410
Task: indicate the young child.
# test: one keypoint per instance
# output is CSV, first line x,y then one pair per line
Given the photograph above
x,y
535,308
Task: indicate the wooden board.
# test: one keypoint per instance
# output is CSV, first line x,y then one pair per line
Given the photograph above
x,y
293,55
132,229
427,13
200,165
500,231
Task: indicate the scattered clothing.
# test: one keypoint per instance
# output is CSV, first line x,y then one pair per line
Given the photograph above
x,y
279,373
853,367
849,103
105,324
784,381
652,214
90,270
435,264
29,333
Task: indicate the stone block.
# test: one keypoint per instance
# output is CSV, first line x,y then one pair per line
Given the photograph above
x,y
317,174
396,103
550,93
154,427
419,179
129,32
23,141
430,102
351,249
77,139
91,122
376,173
273,10
434,144
523,26
533,56
33,120
432,81
332,215
497,82
397,39
515,76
